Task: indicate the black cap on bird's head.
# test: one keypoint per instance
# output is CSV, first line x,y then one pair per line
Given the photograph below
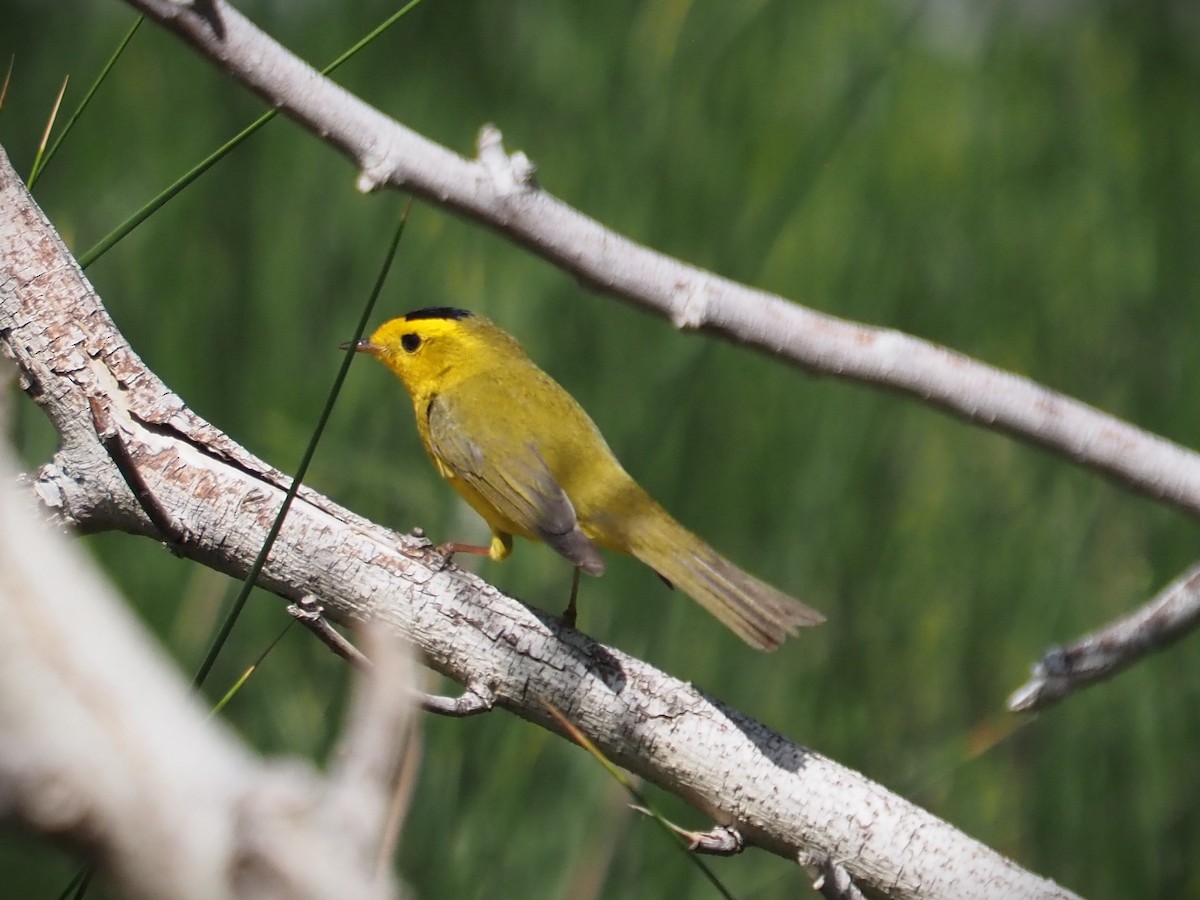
x,y
438,312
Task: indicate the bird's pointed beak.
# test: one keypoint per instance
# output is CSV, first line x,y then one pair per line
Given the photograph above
x,y
363,346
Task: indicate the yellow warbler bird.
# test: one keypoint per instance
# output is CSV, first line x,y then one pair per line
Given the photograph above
x,y
526,457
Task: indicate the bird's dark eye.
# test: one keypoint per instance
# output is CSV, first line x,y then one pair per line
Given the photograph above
x,y
410,342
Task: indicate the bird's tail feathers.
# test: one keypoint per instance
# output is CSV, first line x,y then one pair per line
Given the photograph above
x,y
758,613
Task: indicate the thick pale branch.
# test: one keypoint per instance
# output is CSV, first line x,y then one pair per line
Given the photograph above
x,y
777,794
103,747
498,191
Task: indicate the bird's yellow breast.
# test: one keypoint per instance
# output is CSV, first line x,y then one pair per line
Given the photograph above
x,y
530,461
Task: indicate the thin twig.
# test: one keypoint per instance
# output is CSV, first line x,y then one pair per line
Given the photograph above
x,y
720,840
309,612
1095,657
110,439
476,699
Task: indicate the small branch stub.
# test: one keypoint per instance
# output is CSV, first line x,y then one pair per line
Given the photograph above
x,y
721,840
476,699
509,174
110,439
832,881
689,303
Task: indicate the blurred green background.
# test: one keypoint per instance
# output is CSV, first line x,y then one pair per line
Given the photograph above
x,y
1018,181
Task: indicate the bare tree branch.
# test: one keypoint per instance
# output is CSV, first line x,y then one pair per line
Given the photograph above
x,y
103,747
1120,644
499,191
778,795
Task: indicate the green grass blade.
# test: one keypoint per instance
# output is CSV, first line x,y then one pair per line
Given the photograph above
x,y
371,35
171,191
251,580
37,160
40,164
7,80
250,670
78,885
208,162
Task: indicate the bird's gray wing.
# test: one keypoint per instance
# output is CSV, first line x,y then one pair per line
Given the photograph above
x,y
513,477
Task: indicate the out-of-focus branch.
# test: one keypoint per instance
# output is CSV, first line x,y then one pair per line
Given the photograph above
x,y
1102,654
378,736
778,795
498,190
103,747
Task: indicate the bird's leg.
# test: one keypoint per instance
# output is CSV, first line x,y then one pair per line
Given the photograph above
x,y
499,549
571,611
448,549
